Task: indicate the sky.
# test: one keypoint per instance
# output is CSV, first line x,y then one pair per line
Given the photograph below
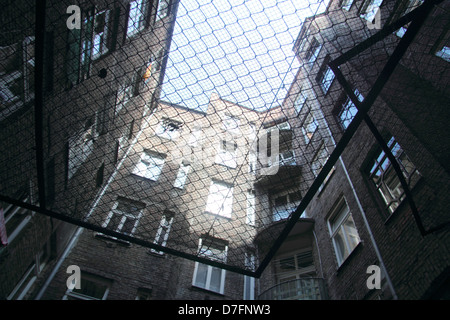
x,y
240,49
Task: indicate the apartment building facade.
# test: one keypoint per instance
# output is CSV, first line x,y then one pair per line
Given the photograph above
x,y
101,65
360,216
222,184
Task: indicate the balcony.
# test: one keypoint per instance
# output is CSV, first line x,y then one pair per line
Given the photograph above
x,y
298,289
284,166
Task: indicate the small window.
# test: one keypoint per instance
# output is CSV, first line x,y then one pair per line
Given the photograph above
x,y
91,288
168,129
206,276
325,78
313,51
231,124
284,203
136,17
347,4
370,8
124,216
348,110
150,165
100,34
343,231
220,199
182,175
442,47
226,155
300,101
163,9
195,136
144,294
404,7
309,127
80,146
163,231
385,179
319,160
251,212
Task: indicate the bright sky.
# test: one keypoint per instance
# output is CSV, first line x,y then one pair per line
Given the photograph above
x,y
240,49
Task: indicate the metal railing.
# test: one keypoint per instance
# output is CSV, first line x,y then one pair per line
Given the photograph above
x,y
298,289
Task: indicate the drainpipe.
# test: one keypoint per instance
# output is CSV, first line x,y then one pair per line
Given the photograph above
x,y
363,214
79,231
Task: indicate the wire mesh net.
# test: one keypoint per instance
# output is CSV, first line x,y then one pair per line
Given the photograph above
x,y
197,128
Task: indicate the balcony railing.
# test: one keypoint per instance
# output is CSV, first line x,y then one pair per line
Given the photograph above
x,y
299,289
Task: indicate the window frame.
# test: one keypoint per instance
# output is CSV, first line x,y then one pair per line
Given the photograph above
x,y
97,280
226,157
226,202
251,208
165,10
379,162
150,164
309,127
142,6
124,216
165,225
182,174
287,209
222,257
372,5
340,214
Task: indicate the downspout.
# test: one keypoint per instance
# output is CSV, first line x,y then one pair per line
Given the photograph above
x,y
366,223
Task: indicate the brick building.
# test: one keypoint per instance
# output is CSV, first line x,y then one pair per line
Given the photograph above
x,y
159,185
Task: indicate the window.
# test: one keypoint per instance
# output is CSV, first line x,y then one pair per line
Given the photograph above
x,y
220,199
195,136
15,219
249,282
348,111
294,265
325,78
404,7
319,160
226,155
313,51
25,284
80,146
124,94
124,216
309,127
343,231
163,231
91,288
251,207
252,158
385,179
136,17
163,9
347,4
100,35
182,175
284,203
300,101
370,8
144,294
168,129
206,276
442,47
231,124
87,44
150,165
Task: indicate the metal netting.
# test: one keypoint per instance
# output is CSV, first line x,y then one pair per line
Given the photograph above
x,y
203,129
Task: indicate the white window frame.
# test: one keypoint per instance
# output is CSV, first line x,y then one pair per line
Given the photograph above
x,y
195,137
347,4
249,282
220,199
219,255
124,216
326,78
100,40
227,153
313,50
231,124
283,212
182,174
11,211
370,8
163,9
162,235
93,279
150,165
336,225
348,108
300,101
136,17
81,146
251,209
